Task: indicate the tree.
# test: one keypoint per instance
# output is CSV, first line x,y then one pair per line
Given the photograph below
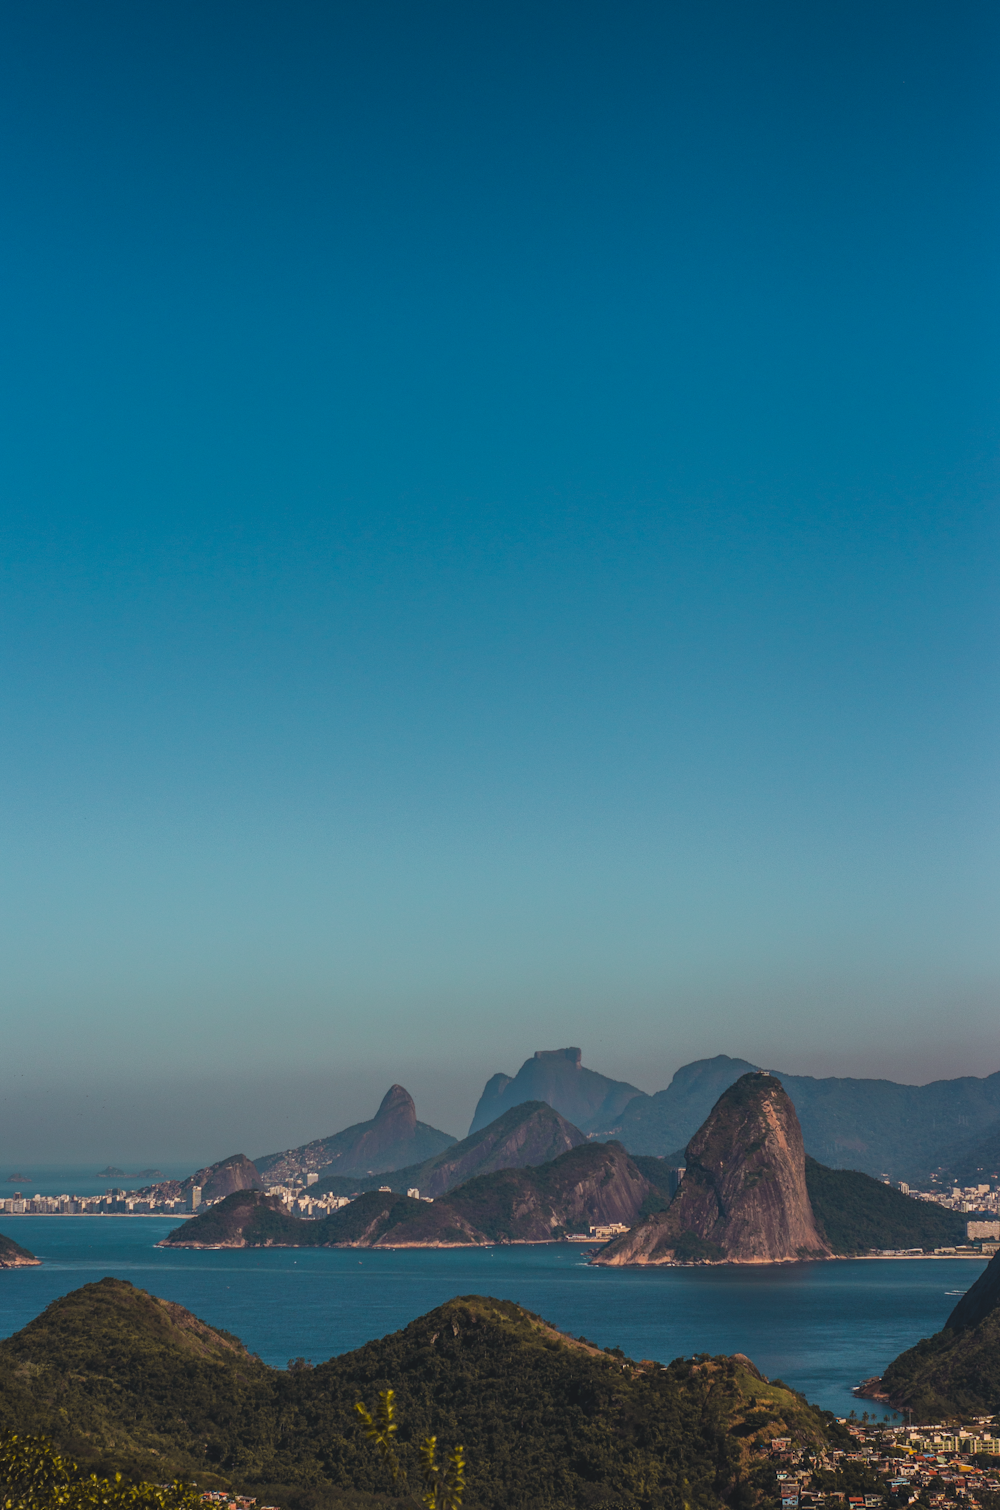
x,y
443,1483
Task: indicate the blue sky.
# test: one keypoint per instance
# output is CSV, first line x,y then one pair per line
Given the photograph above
x,y
499,550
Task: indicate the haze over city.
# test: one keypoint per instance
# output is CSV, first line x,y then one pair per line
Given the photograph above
x,y
499,551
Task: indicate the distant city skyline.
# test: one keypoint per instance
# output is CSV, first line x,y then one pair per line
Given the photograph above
x,y
499,551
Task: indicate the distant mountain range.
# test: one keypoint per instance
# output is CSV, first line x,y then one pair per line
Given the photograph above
x,y
590,1184
877,1126
391,1139
906,1132
532,1133
557,1076
750,1195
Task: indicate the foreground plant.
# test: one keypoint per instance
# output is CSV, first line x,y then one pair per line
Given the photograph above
x,y
443,1483
34,1476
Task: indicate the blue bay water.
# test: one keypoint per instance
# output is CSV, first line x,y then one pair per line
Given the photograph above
x,y
820,1327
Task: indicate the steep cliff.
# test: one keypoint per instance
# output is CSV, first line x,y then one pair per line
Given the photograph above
x,y
589,1100
391,1139
13,1256
526,1135
743,1198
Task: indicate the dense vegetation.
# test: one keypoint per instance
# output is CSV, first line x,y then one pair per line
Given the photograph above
x,y
957,1371
34,1476
857,1213
115,1376
952,1374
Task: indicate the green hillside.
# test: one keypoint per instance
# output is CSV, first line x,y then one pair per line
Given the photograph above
x,y
116,1376
858,1213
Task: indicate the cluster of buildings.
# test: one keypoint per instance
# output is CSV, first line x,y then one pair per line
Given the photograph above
x,y
300,1203
117,1201
980,1202
222,1498
937,1465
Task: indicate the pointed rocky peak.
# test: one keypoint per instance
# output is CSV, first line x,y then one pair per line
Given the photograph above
x,y
398,1104
743,1198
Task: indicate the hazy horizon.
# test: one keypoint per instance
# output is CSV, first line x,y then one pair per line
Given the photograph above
x,y
294,1110
499,550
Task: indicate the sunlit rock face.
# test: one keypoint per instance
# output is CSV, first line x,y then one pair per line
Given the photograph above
x,y
743,1198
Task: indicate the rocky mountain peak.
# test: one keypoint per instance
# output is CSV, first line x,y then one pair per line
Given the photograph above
x,y
398,1105
743,1198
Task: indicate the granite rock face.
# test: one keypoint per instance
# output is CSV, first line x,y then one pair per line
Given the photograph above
x,y
744,1198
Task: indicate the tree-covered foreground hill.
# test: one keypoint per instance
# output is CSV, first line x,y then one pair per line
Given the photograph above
x,y
120,1378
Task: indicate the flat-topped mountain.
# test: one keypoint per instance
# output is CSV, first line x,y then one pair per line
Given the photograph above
x,y
743,1198
590,1185
13,1256
392,1138
557,1076
530,1134
546,1419
955,1373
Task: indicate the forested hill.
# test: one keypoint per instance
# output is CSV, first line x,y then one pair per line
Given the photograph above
x,y
857,1213
546,1420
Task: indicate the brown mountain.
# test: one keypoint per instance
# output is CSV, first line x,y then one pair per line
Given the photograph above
x,y
589,1185
526,1135
743,1198
215,1181
391,1139
13,1256
588,1099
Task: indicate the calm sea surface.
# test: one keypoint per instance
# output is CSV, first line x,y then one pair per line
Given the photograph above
x,y
819,1327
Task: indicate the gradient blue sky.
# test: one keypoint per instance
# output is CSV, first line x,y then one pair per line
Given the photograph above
x,y
499,550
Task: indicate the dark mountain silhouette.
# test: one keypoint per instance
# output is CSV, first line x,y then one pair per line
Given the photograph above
x,y
972,1161
955,1373
529,1134
856,1213
557,1076
876,1126
743,1198
112,1373
391,1139
666,1122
